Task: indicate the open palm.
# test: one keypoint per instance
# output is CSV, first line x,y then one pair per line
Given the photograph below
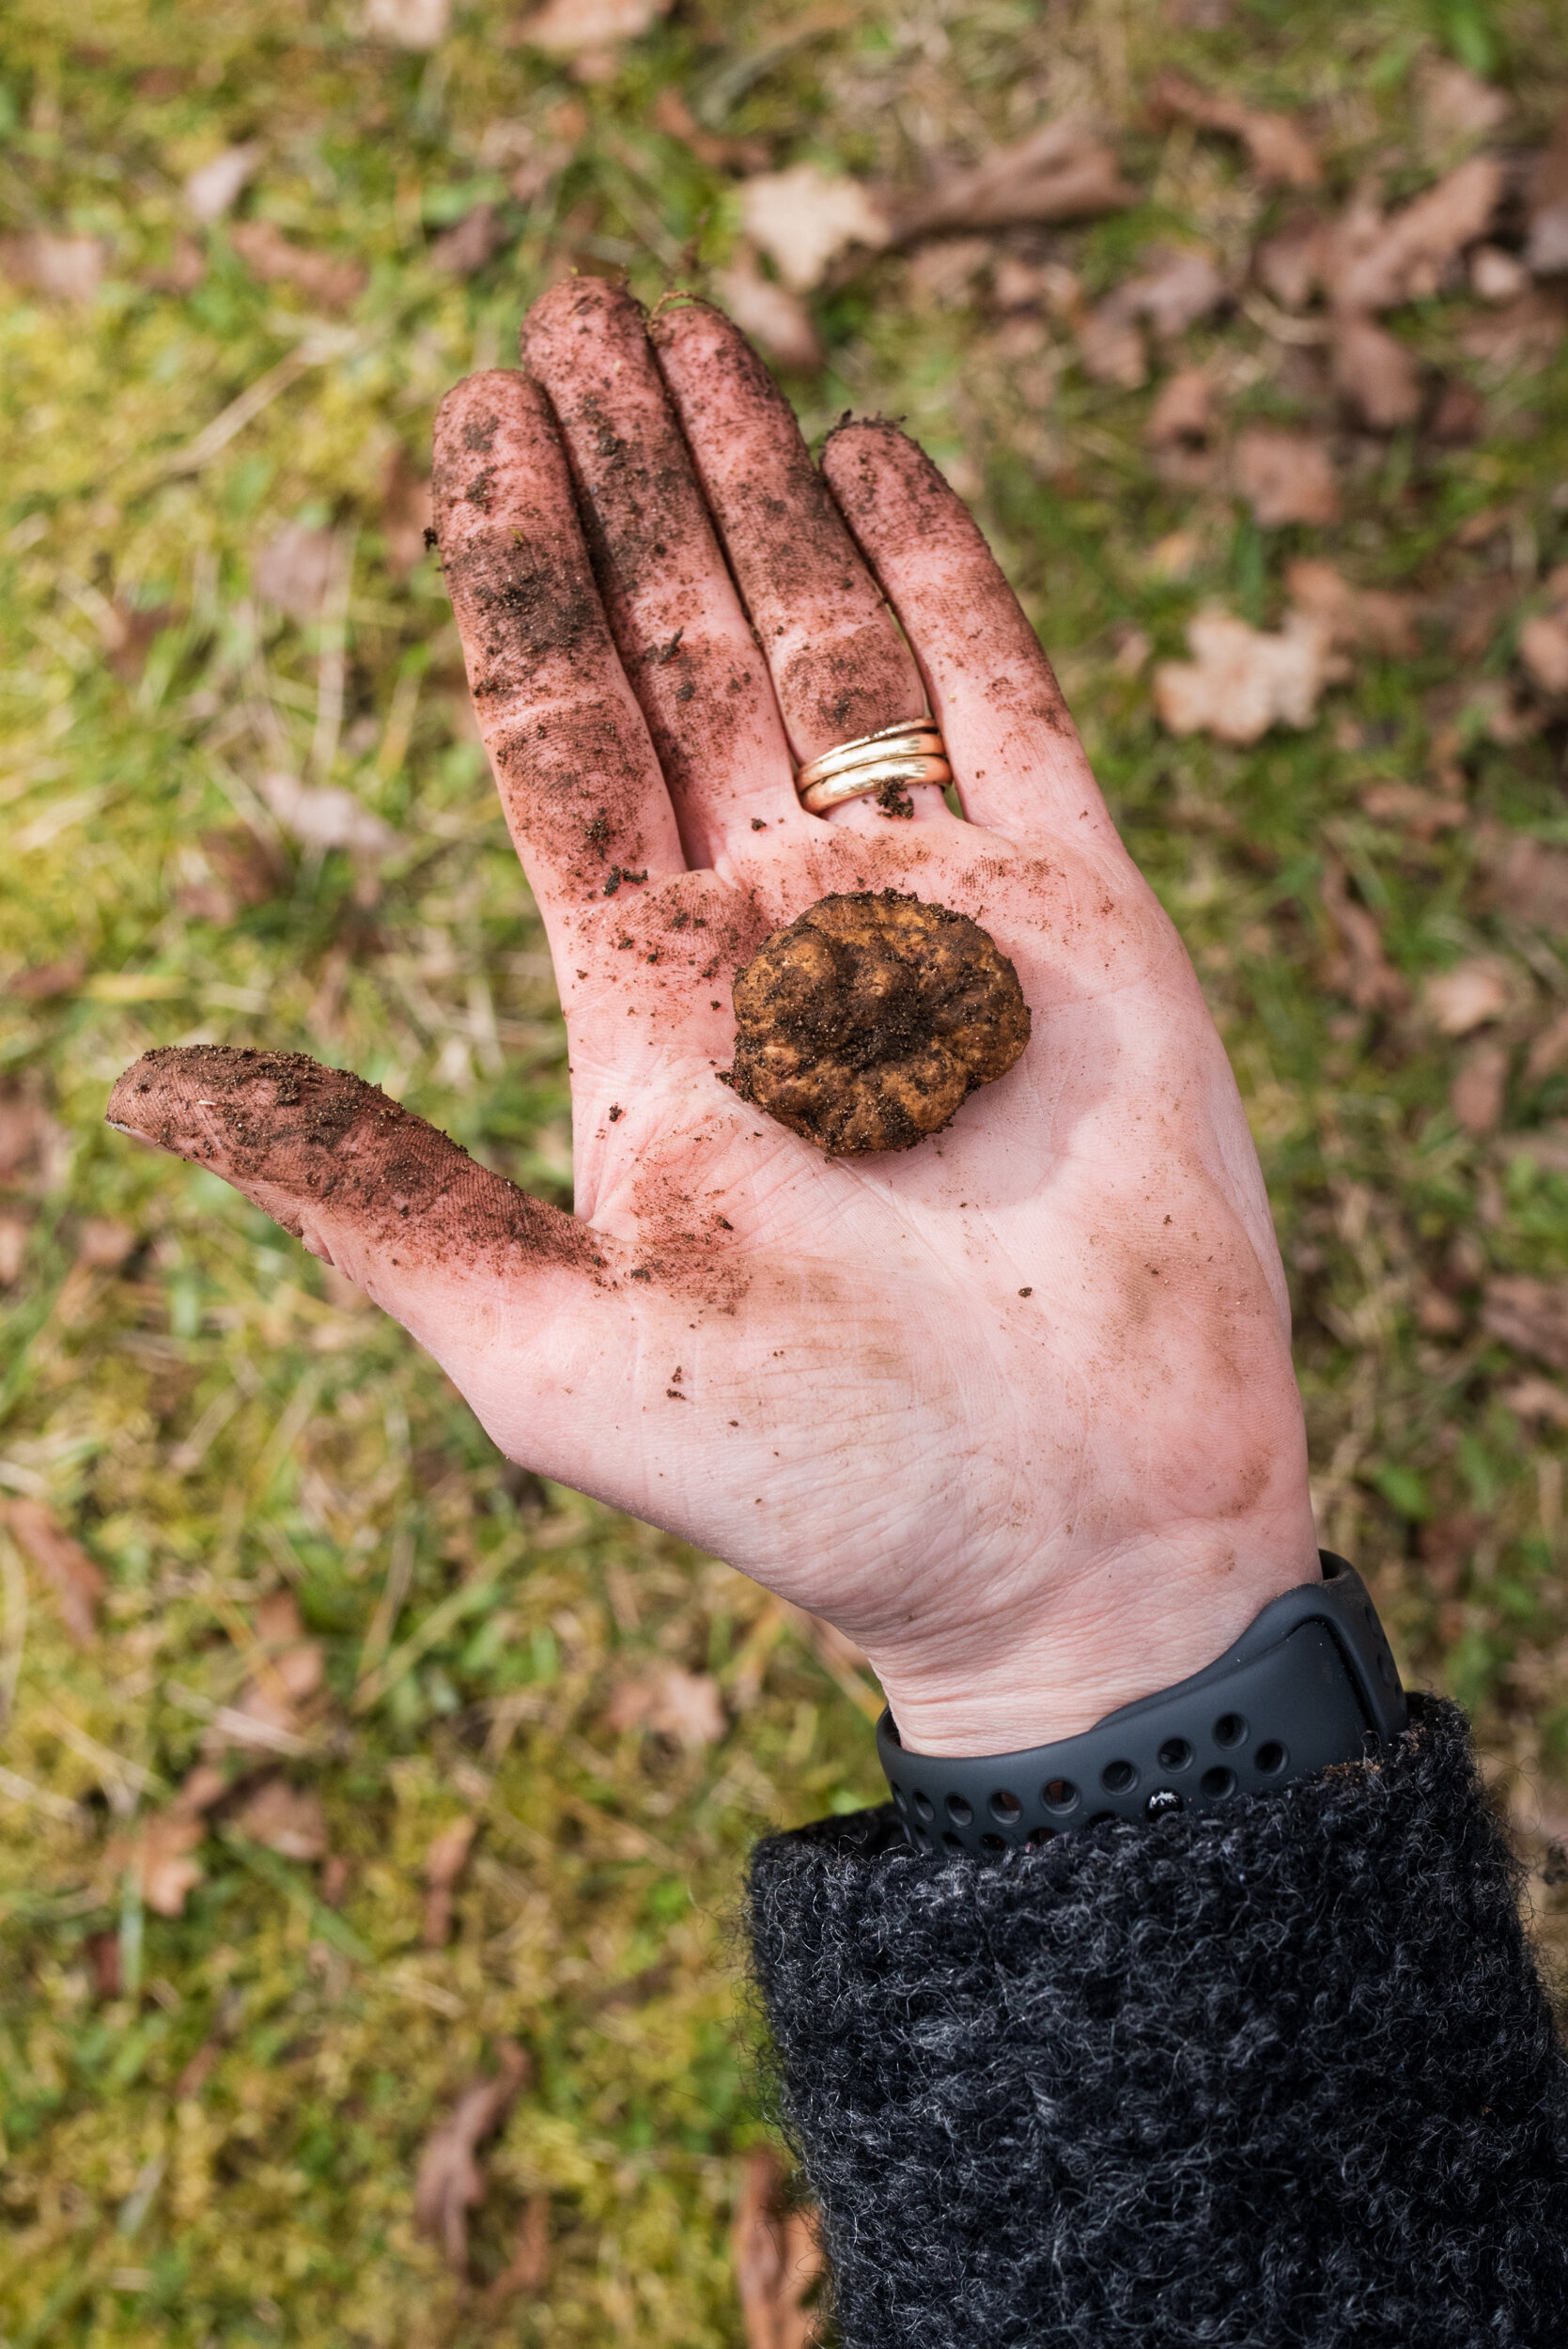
x,y
983,1403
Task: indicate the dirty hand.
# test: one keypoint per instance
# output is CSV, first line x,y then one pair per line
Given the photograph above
x,y
1015,1408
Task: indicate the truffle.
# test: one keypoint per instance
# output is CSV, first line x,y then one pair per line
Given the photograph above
x,y
866,1022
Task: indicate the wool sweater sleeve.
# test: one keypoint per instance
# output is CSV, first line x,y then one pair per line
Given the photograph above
x,y
1281,2074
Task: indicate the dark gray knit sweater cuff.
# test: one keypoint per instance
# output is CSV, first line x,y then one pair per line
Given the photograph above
x,y
1281,2075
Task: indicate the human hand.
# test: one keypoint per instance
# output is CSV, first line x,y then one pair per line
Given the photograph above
x,y
1013,1408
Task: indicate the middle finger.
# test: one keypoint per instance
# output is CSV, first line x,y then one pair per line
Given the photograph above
x,y
840,667
684,640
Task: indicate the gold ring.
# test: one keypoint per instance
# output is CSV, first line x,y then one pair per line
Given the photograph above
x,y
880,775
910,751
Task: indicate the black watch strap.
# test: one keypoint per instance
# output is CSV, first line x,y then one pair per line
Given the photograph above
x,y
1308,1683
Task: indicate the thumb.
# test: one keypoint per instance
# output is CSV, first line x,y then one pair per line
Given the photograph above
x,y
367,1186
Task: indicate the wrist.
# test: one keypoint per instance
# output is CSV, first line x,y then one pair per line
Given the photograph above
x,y
1120,1629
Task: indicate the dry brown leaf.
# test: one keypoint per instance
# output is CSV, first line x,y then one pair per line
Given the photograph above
x,y
200,1788
586,29
103,1953
1543,652
1290,265
1358,968
162,1856
773,316
1375,374
1438,1316
681,1706
104,1242
1523,334
528,2269
1548,1050
1278,149
443,1864
34,1151
1496,275
320,278
467,246
1058,172
1447,1547
42,981
1459,419
1177,286
1530,1316
182,272
286,1819
1378,263
1183,412
296,569
250,871
1547,1145
1480,1087
14,1233
674,117
1372,619
62,269
129,633
1423,814
288,1671
1476,609
327,816
805,217
1455,104
1110,347
1537,1398
450,2183
1546,249
77,1583
406,512
1285,476
1528,879
1470,995
777,2257
409,23
1240,680
212,189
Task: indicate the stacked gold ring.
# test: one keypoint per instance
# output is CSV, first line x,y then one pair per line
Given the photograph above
x,y
899,755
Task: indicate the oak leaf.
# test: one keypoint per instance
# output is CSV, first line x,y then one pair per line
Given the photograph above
x,y
681,1706
1278,149
1285,476
1240,680
805,217
774,318
443,1864
1470,995
77,1583
273,257
450,2182
286,1819
777,2257
1530,1316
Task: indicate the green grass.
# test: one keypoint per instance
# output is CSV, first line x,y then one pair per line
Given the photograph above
x,y
218,1422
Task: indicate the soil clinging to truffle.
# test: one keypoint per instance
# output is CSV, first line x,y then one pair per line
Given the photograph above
x,y
866,1022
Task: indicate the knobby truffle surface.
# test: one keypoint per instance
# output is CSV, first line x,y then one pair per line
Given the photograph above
x,y
866,1022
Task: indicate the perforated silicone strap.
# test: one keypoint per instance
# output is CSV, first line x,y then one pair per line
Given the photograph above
x,y
1309,1682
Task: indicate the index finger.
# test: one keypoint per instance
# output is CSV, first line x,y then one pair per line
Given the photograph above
x,y
574,764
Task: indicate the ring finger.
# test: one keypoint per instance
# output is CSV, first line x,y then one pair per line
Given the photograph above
x,y
839,666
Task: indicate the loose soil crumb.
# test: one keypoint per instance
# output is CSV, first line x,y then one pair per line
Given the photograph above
x,y
869,1020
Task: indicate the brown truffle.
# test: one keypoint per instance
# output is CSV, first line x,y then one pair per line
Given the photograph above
x,y
866,1022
